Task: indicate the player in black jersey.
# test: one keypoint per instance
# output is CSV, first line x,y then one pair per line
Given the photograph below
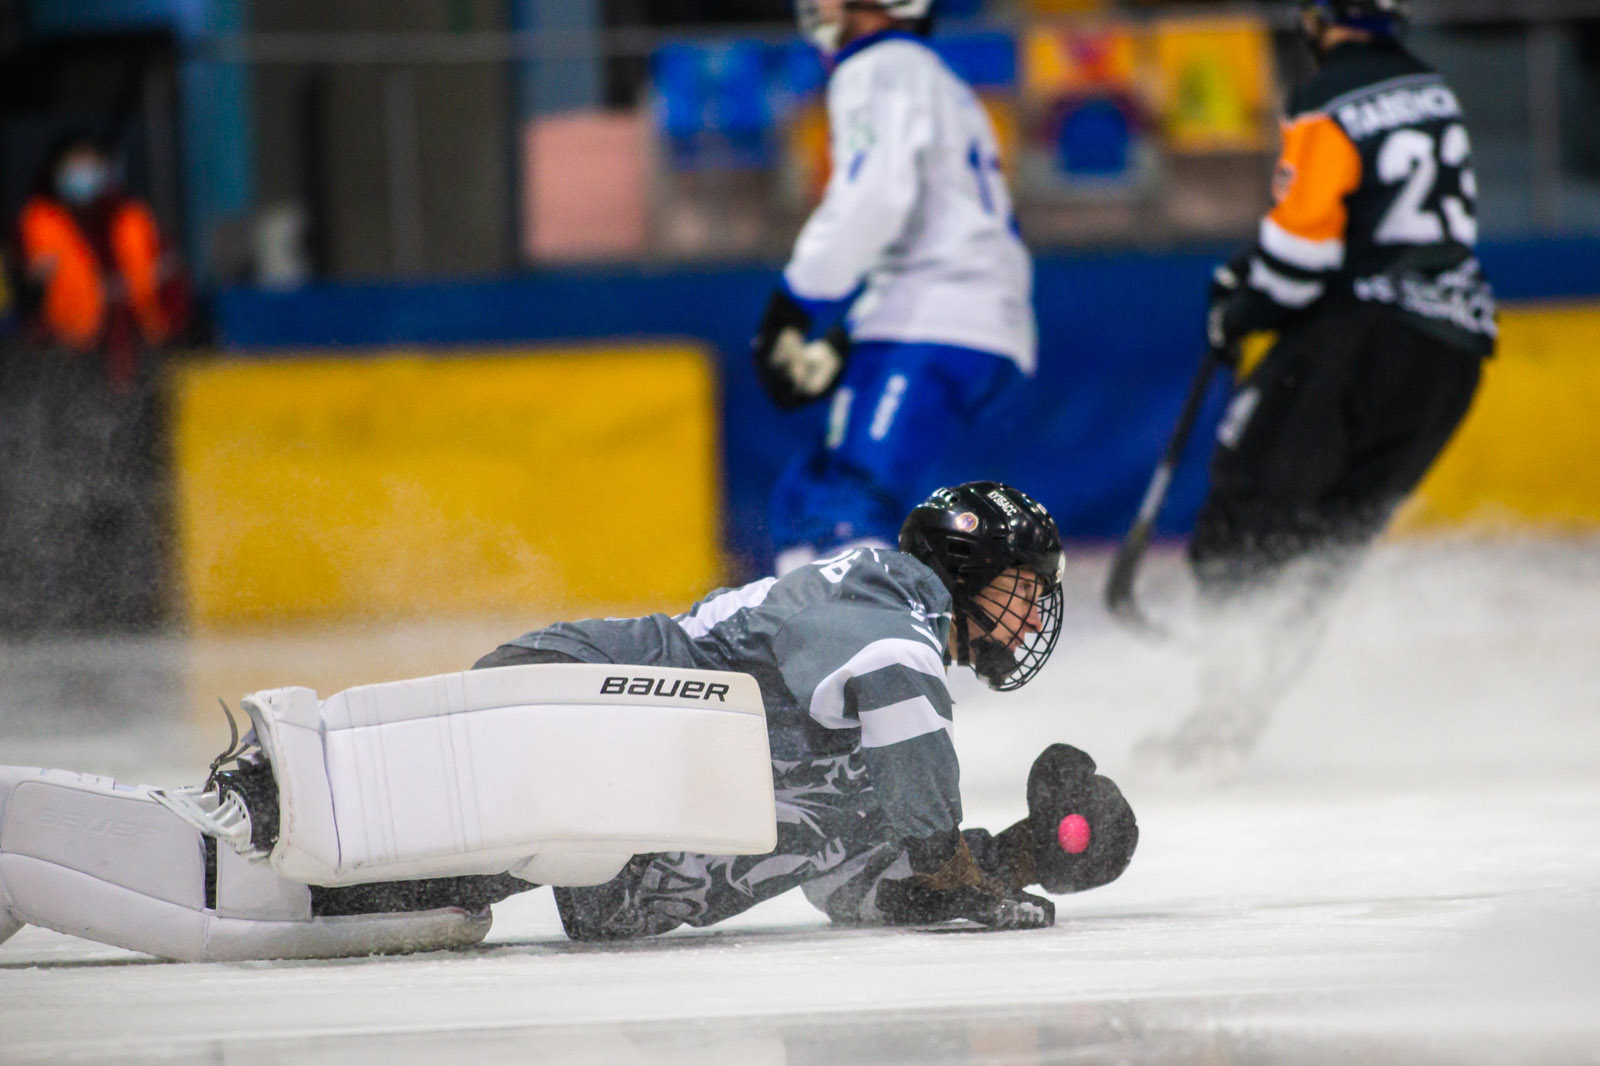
x,y
1364,267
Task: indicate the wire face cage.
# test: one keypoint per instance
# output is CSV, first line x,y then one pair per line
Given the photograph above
x,y
1005,668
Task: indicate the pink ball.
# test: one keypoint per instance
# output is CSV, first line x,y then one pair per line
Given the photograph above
x,y
1073,834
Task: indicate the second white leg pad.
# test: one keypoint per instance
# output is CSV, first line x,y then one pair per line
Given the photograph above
x,y
82,855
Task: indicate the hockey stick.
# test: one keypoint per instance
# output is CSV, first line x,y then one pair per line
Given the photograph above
x,y
1125,566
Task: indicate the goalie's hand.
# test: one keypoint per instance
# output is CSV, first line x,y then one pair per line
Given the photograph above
x,y
792,370
1080,831
957,890
911,901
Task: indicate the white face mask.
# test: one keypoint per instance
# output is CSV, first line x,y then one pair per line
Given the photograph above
x,y
814,26
81,181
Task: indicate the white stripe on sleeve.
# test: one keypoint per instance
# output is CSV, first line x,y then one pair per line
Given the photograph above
x,y
883,726
1300,251
827,702
1283,290
721,608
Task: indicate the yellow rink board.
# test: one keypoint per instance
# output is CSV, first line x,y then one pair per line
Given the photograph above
x,y
413,485
1528,454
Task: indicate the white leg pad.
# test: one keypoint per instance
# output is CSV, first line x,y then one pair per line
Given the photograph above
x,y
85,856
558,773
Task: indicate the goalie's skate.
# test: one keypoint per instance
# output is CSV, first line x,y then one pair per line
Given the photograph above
x,y
237,806
223,817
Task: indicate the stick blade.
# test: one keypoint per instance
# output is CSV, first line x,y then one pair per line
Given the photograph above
x,y
1118,595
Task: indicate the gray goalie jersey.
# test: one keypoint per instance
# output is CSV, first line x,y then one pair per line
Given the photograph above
x,y
850,656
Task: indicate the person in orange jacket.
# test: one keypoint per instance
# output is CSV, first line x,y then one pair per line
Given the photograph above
x,y
84,497
94,258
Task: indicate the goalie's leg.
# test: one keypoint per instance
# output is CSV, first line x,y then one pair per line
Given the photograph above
x,y
818,824
85,856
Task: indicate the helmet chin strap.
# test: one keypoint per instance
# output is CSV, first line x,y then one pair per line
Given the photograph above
x,y
987,657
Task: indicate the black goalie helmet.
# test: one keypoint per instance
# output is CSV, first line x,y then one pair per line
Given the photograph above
x,y
971,536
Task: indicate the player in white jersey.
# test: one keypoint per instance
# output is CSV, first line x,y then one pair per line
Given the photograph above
x,y
908,298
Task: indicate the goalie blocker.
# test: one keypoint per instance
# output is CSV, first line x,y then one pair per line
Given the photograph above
x,y
550,774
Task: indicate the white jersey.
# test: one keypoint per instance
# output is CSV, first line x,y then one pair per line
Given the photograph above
x,y
917,209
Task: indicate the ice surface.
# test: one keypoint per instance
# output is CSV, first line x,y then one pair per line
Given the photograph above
x,y
1407,871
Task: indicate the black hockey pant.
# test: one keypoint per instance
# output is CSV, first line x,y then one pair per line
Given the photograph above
x,y
1323,441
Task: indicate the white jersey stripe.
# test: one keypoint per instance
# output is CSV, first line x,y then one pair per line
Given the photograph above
x,y
1301,251
1284,290
827,701
719,609
883,726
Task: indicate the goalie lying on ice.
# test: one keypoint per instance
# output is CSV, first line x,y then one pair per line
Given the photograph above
x,y
655,771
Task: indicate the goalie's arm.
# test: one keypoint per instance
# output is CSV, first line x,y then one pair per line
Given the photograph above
x,y
1080,833
869,671
893,689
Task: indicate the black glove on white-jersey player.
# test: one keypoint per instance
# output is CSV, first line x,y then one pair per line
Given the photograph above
x,y
792,370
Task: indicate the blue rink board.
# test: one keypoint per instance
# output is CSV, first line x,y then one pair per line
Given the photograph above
x,y
1120,337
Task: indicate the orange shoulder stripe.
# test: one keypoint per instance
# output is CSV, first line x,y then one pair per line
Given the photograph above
x,y
1319,167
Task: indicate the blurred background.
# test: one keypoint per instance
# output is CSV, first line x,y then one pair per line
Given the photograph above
x,y
441,307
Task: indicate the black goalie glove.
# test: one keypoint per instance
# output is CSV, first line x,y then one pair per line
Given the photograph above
x,y
960,889
792,370
1080,832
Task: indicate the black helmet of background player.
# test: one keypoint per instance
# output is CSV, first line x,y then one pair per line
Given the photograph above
x,y
820,20
969,536
1381,17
